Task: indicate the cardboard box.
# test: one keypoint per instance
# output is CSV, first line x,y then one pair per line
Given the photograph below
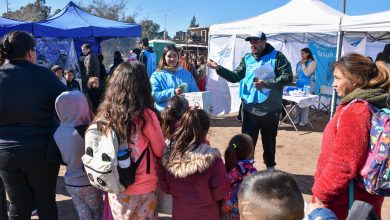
x,y
201,100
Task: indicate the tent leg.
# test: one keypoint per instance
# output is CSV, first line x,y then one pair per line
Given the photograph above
x,y
340,37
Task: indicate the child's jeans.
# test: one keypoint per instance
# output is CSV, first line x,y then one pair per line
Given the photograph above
x,y
88,202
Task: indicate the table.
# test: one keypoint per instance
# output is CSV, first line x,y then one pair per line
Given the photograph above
x,y
301,101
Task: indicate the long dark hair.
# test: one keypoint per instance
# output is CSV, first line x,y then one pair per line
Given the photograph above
x,y
163,63
15,45
127,96
240,148
308,51
117,58
171,115
192,131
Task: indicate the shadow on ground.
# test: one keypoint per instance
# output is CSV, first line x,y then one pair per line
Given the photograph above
x,y
305,183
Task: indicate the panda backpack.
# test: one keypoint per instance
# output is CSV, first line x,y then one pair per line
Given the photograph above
x,y
101,160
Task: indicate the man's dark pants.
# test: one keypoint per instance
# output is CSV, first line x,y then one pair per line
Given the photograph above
x,y
268,127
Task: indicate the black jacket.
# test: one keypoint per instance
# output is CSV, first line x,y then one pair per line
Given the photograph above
x,y
73,85
27,96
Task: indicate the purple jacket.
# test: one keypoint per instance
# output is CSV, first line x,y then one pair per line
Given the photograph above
x,y
197,181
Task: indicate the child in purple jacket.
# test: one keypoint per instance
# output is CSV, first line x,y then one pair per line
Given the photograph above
x,y
239,164
193,172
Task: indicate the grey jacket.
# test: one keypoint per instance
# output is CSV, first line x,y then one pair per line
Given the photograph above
x,y
73,110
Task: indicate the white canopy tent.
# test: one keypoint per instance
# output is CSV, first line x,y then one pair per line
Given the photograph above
x,y
288,29
375,26
297,16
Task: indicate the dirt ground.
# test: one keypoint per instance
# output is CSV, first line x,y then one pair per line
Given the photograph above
x,y
295,154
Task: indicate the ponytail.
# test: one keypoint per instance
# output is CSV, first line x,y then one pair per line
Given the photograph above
x,y
382,78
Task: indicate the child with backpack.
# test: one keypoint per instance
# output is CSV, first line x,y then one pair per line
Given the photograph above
x,y
193,172
239,164
176,106
73,111
128,107
346,139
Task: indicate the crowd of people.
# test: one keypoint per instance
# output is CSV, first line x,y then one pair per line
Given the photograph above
x,y
43,110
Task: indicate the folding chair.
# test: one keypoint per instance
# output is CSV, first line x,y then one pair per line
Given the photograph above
x,y
325,91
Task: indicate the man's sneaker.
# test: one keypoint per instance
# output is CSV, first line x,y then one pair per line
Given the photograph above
x,y
270,168
303,124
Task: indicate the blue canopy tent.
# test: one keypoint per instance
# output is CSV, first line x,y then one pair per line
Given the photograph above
x,y
73,22
7,25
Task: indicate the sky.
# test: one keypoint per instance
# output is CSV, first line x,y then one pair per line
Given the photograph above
x,y
175,15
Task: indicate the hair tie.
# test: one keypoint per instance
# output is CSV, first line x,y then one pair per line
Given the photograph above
x,y
234,146
374,71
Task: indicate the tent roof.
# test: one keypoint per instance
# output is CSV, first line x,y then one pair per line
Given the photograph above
x,y
297,16
367,23
7,25
72,21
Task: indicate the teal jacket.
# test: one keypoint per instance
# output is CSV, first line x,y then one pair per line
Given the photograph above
x,y
283,76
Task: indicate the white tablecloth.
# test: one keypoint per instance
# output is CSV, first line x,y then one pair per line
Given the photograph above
x,y
302,101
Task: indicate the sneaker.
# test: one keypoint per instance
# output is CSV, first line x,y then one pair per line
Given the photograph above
x,y
271,168
34,212
303,124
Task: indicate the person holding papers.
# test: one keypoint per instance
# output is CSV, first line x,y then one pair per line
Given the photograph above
x,y
262,75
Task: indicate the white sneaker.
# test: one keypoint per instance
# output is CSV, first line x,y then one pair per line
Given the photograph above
x,y
303,124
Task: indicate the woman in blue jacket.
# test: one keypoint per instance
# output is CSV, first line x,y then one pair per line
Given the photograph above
x,y
170,79
305,75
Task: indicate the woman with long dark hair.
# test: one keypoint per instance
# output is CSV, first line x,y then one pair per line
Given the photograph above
x,y
170,78
128,107
27,121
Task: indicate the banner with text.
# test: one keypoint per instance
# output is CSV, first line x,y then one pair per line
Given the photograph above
x,y
325,56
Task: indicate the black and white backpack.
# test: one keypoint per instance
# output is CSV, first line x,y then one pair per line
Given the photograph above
x,y
101,162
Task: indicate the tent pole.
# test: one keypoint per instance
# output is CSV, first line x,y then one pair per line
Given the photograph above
x,y
340,37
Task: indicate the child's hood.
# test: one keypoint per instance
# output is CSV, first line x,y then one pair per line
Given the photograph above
x,y
73,109
195,159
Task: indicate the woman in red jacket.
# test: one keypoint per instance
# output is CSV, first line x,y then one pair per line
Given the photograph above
x,y
346,137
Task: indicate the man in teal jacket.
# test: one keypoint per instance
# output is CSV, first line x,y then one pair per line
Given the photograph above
x,y
262,75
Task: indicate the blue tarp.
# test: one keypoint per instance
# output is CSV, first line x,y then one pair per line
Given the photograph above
x,y
73,22
7,25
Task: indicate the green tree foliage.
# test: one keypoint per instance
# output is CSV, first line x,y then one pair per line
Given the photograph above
x,y
193,22
150,29
36,11
110,10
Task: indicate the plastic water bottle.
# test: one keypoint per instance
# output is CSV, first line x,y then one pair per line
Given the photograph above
x,y
306,89
124,158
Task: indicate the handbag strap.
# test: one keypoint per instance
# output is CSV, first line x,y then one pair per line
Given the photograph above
x,y
137,163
